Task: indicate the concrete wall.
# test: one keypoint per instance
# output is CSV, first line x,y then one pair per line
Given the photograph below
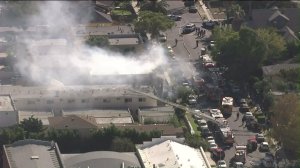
x,y
69,103
8,118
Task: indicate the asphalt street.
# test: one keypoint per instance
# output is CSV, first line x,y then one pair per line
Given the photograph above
x,y
187,54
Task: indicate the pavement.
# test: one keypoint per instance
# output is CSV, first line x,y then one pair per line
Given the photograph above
x,y
187,55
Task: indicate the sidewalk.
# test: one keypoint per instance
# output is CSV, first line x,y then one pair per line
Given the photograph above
x,y
204,11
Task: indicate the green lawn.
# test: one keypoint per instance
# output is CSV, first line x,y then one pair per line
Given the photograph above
x,y
120,12
193,123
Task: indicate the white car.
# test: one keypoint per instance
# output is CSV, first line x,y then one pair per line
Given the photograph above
x,y
222,164
171,52
213,146
216,113
249,115
210,139
202,122
197,111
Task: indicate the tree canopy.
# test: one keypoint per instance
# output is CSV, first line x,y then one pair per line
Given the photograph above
x,y
32,124
285,121
244,52
98,41
152,22
154,6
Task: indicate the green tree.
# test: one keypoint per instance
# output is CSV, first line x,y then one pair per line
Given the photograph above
x,y
275,43
243,54
155,6
122,145
237,14
98,41
285,121
153,23
196,141
183,93
32,124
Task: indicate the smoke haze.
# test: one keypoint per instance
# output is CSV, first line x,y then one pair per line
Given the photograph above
x,y
65,60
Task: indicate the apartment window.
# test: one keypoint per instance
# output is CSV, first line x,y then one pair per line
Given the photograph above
x,y
30,102
106,100
127,100
50,101
142,99
71,101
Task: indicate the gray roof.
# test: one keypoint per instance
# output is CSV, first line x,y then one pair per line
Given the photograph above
x,y
275,69
101,159
20,154
260,18
277,14
70,91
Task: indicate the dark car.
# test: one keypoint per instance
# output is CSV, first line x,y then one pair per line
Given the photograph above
x,y
210,24
244,108
175,17
218,154
193,9
206,132
189,28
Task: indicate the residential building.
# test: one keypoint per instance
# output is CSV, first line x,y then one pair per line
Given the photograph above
x,y
41,115
170,152
105,159
8,113
31,153
273,70
77,97
286,21
161,114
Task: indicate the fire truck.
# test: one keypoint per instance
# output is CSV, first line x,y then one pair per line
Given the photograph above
x,y
226,106
222,130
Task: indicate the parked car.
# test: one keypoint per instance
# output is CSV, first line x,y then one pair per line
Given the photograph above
x,y
189,28
205,132
209,24
162,37
210,139
193,9
244,107
248,116
264,147
213,146
175,17
171,52
260,138
221,164
238,165
243,101
211,45
218,154
216,113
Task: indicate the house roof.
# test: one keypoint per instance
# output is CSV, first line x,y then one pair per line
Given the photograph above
x,y
261,18
107,159
72,122
170,153
32,153
275,69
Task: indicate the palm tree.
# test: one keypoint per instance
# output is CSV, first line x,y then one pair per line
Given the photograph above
x,y
236,14
155,6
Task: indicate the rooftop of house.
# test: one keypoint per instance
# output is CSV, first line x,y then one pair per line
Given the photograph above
x,y
72,122
264,17
104,30
104,116
3,55
170,153
275,69
104,158
32,153
123,41
6,103
83,91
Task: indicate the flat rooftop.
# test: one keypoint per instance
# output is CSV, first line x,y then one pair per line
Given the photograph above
x,y
84,91
123,41
31,153
6,103
104,116
172,154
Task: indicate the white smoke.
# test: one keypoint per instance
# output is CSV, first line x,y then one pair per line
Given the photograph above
x,y
72,61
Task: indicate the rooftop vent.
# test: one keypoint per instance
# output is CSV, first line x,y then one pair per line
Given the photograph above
x,y
34,157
